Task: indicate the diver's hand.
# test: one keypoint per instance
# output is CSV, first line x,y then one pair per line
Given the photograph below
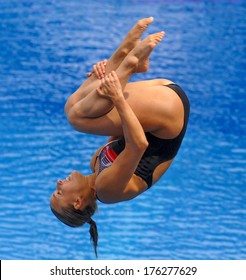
x,y
98,69
110,87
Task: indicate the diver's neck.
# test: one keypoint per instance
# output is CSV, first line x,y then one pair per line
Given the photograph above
x,y
91,180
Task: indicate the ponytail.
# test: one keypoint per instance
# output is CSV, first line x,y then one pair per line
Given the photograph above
x,y
94,234
76,218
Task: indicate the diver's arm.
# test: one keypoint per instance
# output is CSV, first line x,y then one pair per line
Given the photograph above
x,y
133,132
115,183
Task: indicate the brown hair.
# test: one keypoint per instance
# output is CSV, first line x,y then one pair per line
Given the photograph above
x,y
75,218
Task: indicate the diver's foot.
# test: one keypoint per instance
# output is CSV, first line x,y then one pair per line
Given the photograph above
x,y
134,35
143,66
139,56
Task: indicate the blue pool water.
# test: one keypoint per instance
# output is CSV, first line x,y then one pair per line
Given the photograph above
x,y
198,209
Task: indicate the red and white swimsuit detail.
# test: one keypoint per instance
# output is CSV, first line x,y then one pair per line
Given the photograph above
x,y
106,157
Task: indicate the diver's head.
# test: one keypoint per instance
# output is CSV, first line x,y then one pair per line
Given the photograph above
x,y
74,202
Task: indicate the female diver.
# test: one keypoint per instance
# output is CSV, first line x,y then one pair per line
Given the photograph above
x,y
147,121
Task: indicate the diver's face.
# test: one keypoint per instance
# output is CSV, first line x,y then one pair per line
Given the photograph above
x,y
67,190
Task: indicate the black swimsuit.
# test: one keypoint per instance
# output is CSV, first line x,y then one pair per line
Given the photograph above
x,y
158,151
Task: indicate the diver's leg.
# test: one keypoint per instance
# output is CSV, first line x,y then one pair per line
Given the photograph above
x,y
138,58
129,42
147,83
93,106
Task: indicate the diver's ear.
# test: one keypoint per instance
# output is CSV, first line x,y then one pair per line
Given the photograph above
x,y
78,203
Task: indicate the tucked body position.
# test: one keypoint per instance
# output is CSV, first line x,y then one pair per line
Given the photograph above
x,y
146,122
